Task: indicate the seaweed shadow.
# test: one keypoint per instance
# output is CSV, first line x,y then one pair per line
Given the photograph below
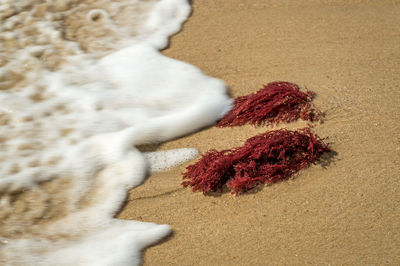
x,y
327,158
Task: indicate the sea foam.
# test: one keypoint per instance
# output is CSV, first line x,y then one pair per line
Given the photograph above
x,y
82,84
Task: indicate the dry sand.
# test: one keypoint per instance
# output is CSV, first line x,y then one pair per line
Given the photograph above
x,y
344,213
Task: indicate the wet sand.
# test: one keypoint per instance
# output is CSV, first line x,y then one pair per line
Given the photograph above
x,y
344,212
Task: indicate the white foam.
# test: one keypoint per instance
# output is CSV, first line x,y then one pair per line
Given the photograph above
x,y
115,244
162,160
83,130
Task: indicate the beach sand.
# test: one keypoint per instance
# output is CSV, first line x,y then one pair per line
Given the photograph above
x,y
342,212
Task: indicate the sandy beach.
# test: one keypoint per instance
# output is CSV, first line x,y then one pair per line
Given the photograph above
x,y
342,213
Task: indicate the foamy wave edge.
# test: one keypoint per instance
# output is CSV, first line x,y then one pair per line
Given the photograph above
x,y
130,97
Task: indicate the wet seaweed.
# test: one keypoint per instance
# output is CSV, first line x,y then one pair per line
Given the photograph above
x,y
276,102
263,159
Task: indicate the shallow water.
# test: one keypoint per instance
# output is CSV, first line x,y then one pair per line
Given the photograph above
x,y
81,84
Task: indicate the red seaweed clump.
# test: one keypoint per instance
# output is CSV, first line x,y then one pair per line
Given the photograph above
x,y
263,159
276,102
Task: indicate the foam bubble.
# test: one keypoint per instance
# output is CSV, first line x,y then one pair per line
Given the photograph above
x,y
93,87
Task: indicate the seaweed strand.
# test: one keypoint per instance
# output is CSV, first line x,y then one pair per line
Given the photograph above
x,y
276,102
263,159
